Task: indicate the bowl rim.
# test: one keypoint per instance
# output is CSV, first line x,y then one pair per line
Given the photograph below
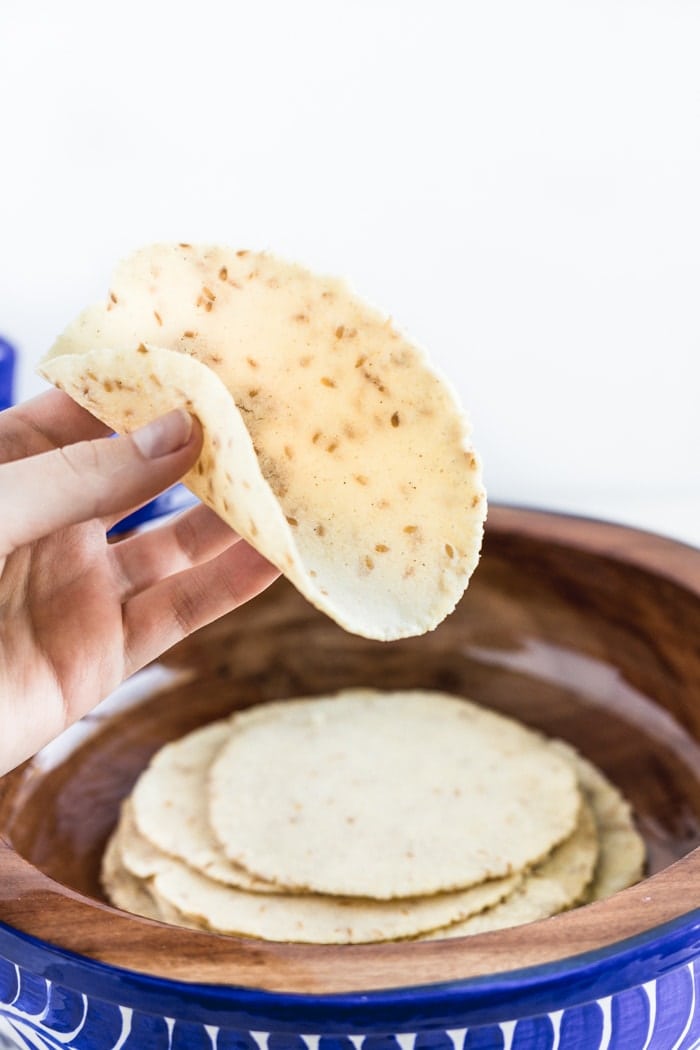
x,y
524,992
609,925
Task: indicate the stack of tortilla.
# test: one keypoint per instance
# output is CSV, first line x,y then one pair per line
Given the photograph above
x,y
332,446
368,816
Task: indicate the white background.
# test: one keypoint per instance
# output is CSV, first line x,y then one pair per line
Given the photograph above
x,y
516,183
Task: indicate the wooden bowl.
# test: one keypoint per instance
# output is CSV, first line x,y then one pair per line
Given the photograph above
x,y
588,631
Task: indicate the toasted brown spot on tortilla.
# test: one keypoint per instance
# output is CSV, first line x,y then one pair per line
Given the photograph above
x,y
252,362
320,530
361,479
108,385
113,297
395,419
327,381
223,274
292,521
340,331
188,334
410,528
315,438
375,380
254,392
381,548
331,446
305,361
141,349
369,562
242,252
449,550
253,528
361,360
301,318
158,318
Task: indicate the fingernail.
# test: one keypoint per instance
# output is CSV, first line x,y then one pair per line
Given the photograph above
x,y
164,435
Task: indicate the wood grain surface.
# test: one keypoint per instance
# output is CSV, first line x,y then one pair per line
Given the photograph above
x,y
588,631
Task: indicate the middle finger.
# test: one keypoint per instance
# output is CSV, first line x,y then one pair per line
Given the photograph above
x,y
195,536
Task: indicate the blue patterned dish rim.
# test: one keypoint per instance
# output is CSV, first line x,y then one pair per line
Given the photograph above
x,y
480,1000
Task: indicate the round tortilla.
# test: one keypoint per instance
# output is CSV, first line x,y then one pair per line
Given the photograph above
x,y
622,851
557,883
330,444
387,795
122,888
169,808
620,860
185,896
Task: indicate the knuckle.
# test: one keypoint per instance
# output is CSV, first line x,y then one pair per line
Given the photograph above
x,y
186,603
186,535
80,464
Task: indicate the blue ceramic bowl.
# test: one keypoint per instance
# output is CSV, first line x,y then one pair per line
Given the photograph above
x,y
586,629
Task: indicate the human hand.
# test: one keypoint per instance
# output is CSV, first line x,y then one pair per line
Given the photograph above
x,y
79,614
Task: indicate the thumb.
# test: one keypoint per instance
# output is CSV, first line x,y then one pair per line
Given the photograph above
x,y
93,478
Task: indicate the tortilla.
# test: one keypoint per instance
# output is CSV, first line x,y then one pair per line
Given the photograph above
x,y
387,795
330,444
620,860
124,889
622,850
169,809
190,898
556,884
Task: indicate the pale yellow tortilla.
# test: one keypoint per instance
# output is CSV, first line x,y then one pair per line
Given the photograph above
x,y
387,795
187,897
124,889
622,850
331,445
557,883
620,860
169,807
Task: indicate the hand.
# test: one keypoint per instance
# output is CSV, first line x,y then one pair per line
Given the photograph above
x,y
79,614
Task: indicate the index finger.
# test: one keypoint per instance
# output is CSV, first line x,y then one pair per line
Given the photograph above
x,y
50,420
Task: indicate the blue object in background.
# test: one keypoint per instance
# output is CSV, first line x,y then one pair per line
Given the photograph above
x,y
7,373
174,499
